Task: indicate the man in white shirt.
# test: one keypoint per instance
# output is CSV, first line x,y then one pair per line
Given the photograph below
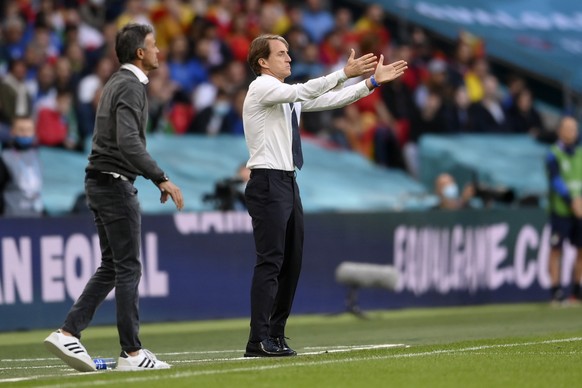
x,y
271,124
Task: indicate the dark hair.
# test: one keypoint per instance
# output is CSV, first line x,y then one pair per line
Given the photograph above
x,y
130,38
260,48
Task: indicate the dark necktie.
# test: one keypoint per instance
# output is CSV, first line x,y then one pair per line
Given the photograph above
x,y
296,144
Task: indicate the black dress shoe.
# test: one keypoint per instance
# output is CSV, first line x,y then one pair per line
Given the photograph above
x,y
267,348
282,343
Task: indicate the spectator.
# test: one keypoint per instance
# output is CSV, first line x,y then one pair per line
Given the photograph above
x,y
475,78
515,84
161,90
317,20
58,126
458,117
399,100
298,39
239,39
487,115
221,14
332,48
436,82
135,12
45,41
218,118
50,15
523,117
460,63
371,137
14,42
93,12
88,88
431,118
20,172
238,75
205,93
309,66
42,89
89,37
447,191
218,52
370,27
74,53
171,18
64,76
14,97
187,71
343,22
273,18
564,166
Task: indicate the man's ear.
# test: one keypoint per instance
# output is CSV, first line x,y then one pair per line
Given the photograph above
x,y
139,53
263,62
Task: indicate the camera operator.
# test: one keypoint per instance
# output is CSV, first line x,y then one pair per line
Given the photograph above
x,y
447,190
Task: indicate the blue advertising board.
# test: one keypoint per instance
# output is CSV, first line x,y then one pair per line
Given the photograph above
x,y
199,265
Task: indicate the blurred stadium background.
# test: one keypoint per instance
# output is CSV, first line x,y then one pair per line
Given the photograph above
x,y
368,181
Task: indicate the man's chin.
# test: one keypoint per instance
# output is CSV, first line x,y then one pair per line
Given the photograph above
x,y
153,66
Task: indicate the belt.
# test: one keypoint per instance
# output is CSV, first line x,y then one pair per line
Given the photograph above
x,y
271,172
105,177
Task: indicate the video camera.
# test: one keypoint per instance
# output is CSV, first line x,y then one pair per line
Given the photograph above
x,y
226,194
489,194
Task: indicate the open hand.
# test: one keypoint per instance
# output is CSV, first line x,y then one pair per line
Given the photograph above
x,y
356,67
387,73
167,188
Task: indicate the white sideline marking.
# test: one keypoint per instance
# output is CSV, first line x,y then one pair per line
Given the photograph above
x,y
342,349
27,359
330,349
177,375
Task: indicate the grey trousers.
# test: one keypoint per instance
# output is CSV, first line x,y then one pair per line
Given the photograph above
x,y
117,217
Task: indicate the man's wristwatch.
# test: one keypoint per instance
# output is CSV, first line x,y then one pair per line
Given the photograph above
x,y
163,179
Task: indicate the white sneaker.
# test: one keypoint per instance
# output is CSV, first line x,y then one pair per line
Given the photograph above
x,y
144,360
70,350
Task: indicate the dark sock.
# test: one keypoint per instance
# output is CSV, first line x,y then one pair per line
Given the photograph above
x,y
576,290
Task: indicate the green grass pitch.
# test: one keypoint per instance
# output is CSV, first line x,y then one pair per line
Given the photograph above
x,y
514,345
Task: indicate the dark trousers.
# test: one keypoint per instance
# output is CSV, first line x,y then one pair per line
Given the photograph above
x,y
117,216
274,204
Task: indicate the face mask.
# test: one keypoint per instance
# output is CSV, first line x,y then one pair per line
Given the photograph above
x,y
221,108
451,191
24,142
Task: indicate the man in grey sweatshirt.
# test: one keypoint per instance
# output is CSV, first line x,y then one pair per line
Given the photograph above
x,y
117,157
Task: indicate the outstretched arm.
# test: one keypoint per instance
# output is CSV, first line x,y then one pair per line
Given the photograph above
x,y
386,73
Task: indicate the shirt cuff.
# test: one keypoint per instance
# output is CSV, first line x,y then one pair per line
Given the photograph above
x,y
363,88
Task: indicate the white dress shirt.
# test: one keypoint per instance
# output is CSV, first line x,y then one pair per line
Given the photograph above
x,y
267,114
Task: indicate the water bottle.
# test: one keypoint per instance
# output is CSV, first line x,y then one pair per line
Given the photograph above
x,y
105,363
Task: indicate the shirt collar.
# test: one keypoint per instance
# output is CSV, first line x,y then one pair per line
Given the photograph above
x,y
137,71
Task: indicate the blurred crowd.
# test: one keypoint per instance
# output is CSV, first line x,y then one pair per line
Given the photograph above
x,y
56,55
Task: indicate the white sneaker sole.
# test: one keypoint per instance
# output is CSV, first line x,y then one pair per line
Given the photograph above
x,y
54,346
128,368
